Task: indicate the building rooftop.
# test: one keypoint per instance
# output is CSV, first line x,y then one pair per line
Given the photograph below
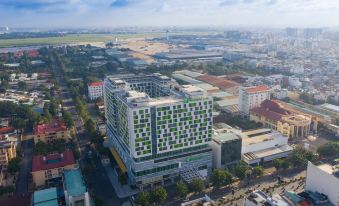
x,y
74,182
331,107
225,136
261,88
219,82
46,197
95,84
54,160
54,126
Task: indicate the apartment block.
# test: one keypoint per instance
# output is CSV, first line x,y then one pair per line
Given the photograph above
x,y
252,97
95,90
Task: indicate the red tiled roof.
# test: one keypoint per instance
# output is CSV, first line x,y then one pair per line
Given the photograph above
x,y
32,53
54,126
65,158
95,84
217,81
5,130
271,110
261,88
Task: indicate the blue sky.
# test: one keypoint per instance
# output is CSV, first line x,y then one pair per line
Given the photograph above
x,y
112,13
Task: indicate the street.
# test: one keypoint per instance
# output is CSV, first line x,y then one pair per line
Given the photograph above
x,y
25,168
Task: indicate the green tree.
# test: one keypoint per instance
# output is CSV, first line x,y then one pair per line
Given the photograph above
x,y
300,156
14,165
19,123
241,170
284,164
68,119
159,196
197,185
277,163
257,171
221,177
143,199
22,85
329,149
182,189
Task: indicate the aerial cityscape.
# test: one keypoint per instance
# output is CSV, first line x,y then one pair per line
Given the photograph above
x,y
169,103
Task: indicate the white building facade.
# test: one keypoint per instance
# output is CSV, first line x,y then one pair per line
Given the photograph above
x,y
95,90
252,97
323,179
159,129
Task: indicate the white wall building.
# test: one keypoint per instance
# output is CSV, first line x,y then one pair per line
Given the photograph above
x,y
264,145
251,97
95,90
323,179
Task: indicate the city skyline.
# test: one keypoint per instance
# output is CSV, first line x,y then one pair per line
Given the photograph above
x,y
117,13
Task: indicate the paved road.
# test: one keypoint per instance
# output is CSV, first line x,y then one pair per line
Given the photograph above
x,y
98,179
26,167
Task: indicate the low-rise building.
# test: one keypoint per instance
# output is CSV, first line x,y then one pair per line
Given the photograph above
x,y
49,168
51,132
226,147
273,115
263,145
8,144
75,190
95,90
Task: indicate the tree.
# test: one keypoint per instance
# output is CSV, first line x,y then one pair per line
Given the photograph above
x,y
197,185
159,196
14,165
68,119
285,165
241,170
329,149
19,123
22,85
257,171
143,199
277,163
221,177
182,189
300,156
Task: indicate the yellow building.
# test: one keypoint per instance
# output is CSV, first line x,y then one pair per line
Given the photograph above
x,y
7,148
273,115
50,132
50,168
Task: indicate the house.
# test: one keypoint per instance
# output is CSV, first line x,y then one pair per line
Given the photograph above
x,y
49,168
51,132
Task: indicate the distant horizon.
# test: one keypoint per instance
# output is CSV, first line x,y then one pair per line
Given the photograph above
x,y
168,13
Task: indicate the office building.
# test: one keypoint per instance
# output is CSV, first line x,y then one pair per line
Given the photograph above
x,y
46,169
263,145
75,191
158,129
323,179
95,90
226,146
252,97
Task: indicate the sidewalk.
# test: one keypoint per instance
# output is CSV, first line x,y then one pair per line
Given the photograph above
x,y
121,191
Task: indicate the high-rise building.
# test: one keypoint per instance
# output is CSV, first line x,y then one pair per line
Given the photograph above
x,y
158,129
292,32
252,97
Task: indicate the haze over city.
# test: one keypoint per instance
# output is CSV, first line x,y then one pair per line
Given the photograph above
x,y
169,102
117,13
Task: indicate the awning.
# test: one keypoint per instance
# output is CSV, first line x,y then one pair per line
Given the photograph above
x,y
118,160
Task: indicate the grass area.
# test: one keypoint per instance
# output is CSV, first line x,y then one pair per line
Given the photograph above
x,y
79,38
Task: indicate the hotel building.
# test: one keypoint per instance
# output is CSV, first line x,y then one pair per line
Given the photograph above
x,y
158,130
